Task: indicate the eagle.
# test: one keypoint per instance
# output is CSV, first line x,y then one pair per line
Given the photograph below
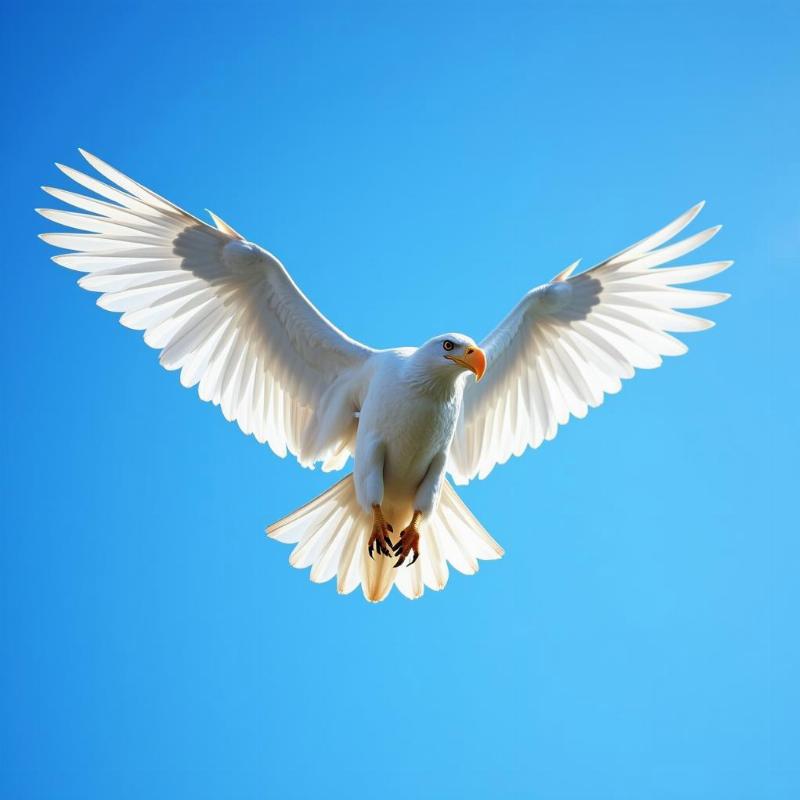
x,y
226,313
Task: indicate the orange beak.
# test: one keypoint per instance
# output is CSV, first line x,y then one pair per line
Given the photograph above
x,y
474,359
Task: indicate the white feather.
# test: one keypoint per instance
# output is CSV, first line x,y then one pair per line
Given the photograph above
x,y
227,315
580,343
167,273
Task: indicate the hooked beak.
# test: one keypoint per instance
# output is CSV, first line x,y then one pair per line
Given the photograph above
x,y
474,359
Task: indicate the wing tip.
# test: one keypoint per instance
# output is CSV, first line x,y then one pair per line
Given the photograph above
x,y
688,216
92,159
685,219
705,235
694,211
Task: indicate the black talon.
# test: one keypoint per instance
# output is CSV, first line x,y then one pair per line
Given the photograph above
x,y
370,552
416,556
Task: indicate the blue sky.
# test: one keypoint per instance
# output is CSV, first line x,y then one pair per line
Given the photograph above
x,y
417,167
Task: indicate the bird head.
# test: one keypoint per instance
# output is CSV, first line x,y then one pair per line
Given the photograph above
x,y
453,353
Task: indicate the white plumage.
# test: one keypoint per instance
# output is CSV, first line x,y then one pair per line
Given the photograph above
x,y
227,314
570,342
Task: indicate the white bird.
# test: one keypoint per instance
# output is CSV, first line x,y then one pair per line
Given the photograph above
x,y
226,313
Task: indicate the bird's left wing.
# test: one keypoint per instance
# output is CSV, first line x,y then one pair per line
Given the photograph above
x,y
571,341
223,311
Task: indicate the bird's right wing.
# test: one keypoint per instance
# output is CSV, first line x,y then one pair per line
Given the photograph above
x,y
220,309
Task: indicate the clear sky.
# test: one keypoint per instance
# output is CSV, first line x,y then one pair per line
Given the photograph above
x,y
418,167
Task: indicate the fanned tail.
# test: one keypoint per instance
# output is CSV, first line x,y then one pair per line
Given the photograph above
x,y
331,533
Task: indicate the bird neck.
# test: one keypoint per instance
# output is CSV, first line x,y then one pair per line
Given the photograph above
x,y
442,384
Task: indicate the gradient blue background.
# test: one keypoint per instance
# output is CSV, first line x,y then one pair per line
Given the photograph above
x,y
417,167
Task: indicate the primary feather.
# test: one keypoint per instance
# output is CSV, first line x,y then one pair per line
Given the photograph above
x,y
572,341
221,310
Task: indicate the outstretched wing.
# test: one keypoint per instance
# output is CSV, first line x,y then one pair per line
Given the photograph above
x,y
571,341
221,310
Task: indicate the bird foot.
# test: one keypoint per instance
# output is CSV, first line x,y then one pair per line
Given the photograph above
x,y
409,543
379,540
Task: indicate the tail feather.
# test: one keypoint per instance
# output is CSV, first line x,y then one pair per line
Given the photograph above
x,y
331,532
292,527
327,564
349,573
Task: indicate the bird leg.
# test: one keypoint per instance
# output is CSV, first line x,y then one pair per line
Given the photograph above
x,y
380,534
409,541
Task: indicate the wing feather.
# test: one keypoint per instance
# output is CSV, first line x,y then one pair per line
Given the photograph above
x,y
572,341
221,310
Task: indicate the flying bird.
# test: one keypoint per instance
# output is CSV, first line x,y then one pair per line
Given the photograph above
x,y
227,314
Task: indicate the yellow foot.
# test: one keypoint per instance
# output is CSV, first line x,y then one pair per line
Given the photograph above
x,y
409,542
380,534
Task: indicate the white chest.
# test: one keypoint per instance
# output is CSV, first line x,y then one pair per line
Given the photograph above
x,y
413,427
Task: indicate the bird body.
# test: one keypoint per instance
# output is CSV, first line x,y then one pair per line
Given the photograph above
x,y
410,421
227,314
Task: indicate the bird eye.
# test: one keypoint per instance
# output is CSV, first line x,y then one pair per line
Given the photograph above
x,y
448,345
